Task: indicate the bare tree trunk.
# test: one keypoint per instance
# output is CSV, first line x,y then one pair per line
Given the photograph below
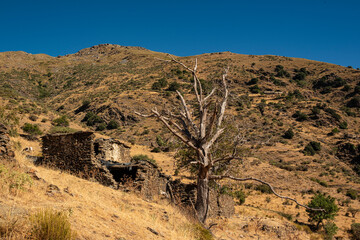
x,y
202,198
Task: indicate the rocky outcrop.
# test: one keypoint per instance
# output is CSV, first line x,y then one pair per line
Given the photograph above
x,y
6,151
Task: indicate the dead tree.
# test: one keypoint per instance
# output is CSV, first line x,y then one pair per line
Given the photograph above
x,y
200,132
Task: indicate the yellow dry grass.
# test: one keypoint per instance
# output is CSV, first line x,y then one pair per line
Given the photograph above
x,y
99,212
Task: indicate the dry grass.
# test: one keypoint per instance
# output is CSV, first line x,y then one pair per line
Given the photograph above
x,y
96,211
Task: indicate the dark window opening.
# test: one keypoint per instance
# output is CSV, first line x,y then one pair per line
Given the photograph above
x,y
122,174
96,148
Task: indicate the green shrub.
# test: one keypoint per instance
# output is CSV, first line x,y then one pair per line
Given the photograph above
x,y
32,129
333,114
351,193
294,94
240,196
355,231
92,119
354,102
202,233
289,134
101,127
330,230
61,121
156,150
343,125
320,201
143,157
112,125
254,89
33,117
300,116
253,81
263,188
49,225
299,76
280,72
312,148
159,84
174,86
333,132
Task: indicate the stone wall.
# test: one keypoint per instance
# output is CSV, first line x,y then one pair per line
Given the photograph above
x,y
111,150
6,151
75,153
141,176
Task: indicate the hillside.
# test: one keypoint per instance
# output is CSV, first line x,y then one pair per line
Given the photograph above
x,y
106,84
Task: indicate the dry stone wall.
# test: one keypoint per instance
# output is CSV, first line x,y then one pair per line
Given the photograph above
x,y
6,151
75,153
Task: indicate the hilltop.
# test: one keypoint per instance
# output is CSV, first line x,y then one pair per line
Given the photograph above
x,y
107,83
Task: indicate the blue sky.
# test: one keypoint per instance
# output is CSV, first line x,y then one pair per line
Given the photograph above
x,y
323,30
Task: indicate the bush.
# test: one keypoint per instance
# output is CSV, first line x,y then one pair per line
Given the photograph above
x,y
355,231
280,72
33,117
159,84
202,233
143,157
253,81
333,114
351,193
92,119
263,188
254,89
174,86
101,127
49,224
334,131
240,196
85,105
330,230
300,116
320,201
343,125
112,125
300,76
312,148
354,102
289,134
294,94
61,121
32,129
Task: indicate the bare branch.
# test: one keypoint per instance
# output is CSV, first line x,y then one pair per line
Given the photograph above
x,y
218,177
187,112
213,139
225,98
143,115
210,94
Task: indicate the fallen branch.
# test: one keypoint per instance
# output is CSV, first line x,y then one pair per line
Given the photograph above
x,y
218,177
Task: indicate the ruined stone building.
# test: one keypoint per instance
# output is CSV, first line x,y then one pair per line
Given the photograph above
x,y
105,160
108,162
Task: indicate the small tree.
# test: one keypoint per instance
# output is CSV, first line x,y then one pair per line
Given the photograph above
x,y
324,202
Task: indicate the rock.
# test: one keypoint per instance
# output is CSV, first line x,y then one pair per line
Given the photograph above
x,y
6,153
52,190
